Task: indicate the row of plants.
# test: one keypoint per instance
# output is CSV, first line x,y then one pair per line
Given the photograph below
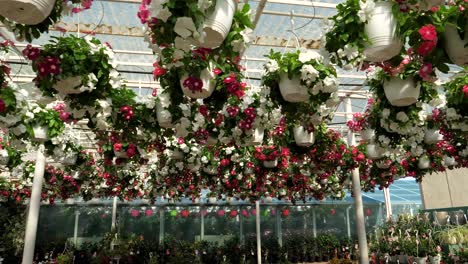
x,y
417,240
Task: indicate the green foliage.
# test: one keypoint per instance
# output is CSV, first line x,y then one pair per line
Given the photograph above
x,y
454,93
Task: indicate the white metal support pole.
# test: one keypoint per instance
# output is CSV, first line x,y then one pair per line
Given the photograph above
x,y
360,224
279,232
161,225
241,226
34,207
348,224
259,238
114,214
314,222
388,203
202,224
75,232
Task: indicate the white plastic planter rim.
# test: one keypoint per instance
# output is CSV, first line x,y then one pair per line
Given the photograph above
x,y
218,24
211,170
209,83
40,133
292,90
163,116
455,45
177,155
401,92
368,135
29,12
373,151
432,136
270,163
302,137
382,32
69,85
256,138
424,162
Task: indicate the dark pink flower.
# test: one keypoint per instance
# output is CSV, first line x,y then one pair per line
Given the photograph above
x,y
180,140
131,150
425,71
426,48
194,84
465,90
158,71
217,71
134,213
428,32
118,147
143,14
2,106
64,116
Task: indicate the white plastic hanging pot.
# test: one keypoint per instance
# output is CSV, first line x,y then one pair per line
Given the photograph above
x,y
121,154
177,155
373,151
218,24
455,45
211,170
270,163
432,136
209,83
434,260
164,117
29,12
368,135
382,33
248,170
256,138
422,260
424,162
403,258
292,90
382,164
68,85
211,141
401,92
194,167
449,161
70,159
428,4
40,133
302,137
4,157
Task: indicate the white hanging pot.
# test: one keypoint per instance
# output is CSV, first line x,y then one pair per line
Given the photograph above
x,y
428,4
69,85
432,136
209,83
164,117
212,200
211,170
382,164
401,92
368,135
449,161
455,45
373,151
403,258
69,201
4,157
218,24
382,32
424,162
211,141
177,155
434,260
121,154
70,159
292,90
194,167
270,163
256,138
143,153
40,133
422,260
29,12
302,137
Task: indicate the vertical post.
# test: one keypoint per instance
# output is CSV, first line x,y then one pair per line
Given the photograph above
x,y
161,224
360,224
348,224
279,230
259,238
114,214
388,204
75,232
241,228
314,222
202,227
34,207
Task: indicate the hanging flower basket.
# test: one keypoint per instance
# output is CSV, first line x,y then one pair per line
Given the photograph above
x,y
368,135
29,12
373,151
69,85
212,200
248,170
256,138
205,84
4,157
434,260
70,159
432,136
40,133
382,164
218,24
449,161
428,4
424,162
382,32
270,163
401,92
211,170
302,137
292,90
422,260
455,46
177,155
121,154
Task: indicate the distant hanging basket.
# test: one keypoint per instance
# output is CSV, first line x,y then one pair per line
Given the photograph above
x,y
303,137
29,12
401,92
218,24
207,77
69,85
291,89
456,46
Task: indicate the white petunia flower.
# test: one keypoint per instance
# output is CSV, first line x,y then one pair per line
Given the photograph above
x,y
309,55
184,27
272,66
366,10
385,113
401,116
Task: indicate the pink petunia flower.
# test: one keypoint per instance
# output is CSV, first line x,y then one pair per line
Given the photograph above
x,y
428,32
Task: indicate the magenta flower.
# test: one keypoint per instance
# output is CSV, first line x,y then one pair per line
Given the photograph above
x,y
134,213
31,53
426,48
465,90
194,84
428,32
2,106
425,70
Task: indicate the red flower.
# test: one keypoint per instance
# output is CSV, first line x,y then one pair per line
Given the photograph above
x,y
63,115
194,84
225,162
2,106
149,212
233,213
118,147
465,90
425,71
135,213
158,71
185,213
426,48
217,71
143,14
428,32
131,150
285,213
221,213
203,109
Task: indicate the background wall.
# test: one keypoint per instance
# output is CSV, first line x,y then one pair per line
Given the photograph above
x,y
445,189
